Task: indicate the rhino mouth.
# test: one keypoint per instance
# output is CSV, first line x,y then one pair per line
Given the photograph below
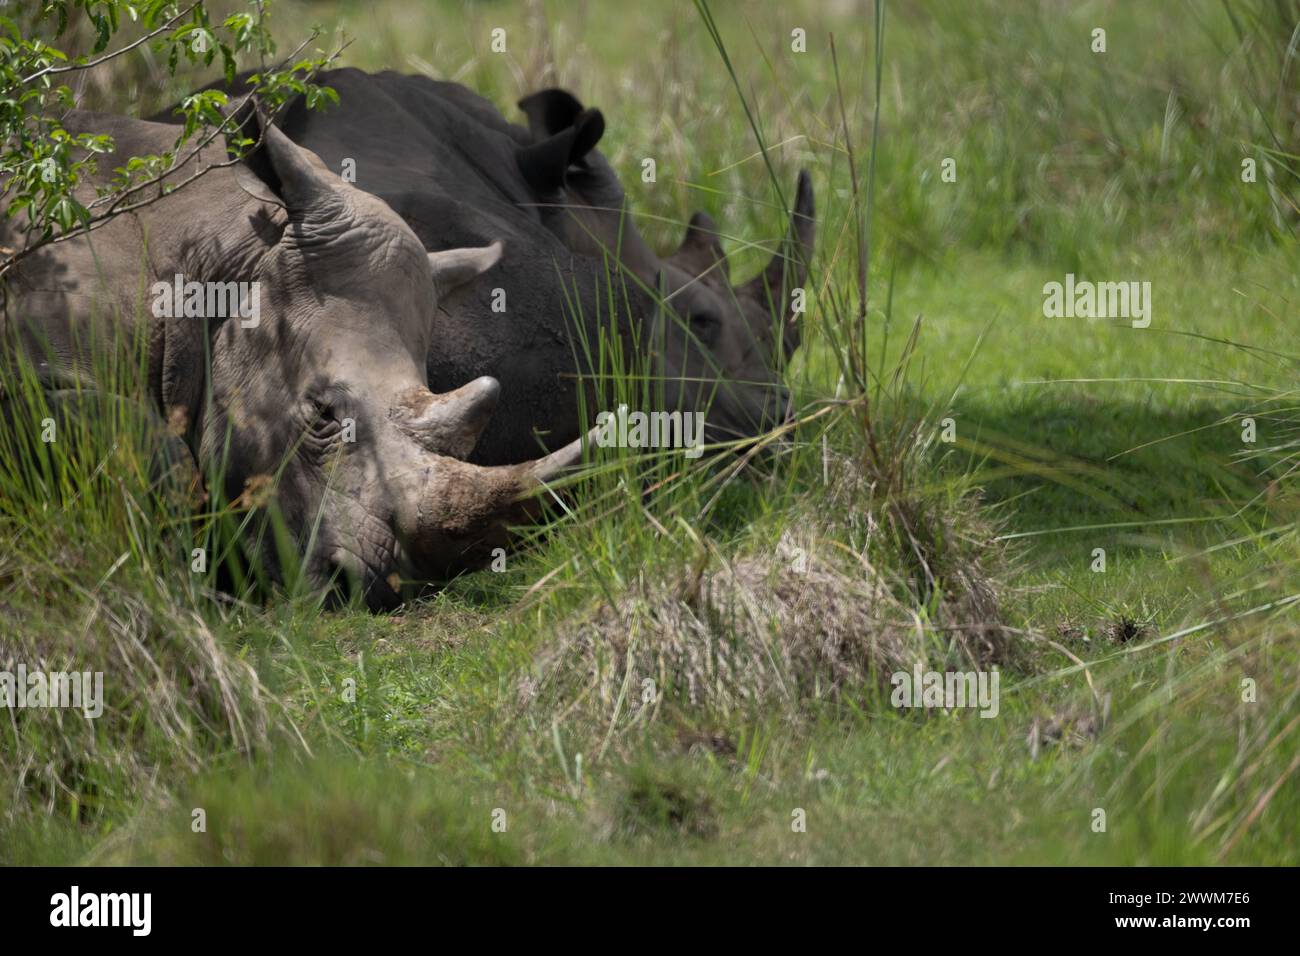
x,y
749,417
347,574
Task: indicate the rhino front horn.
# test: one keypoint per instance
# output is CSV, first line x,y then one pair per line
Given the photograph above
x,y
788,267
453,513
542,472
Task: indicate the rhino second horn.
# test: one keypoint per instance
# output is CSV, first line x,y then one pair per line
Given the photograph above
x,y
701,246
455,267
451,423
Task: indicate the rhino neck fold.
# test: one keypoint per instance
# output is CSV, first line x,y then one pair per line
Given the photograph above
x,y
182,350
182,347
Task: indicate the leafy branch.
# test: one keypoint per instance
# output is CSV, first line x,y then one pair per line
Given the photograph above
x,y
42,163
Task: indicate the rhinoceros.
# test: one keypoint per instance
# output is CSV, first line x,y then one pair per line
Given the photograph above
x,y
318,377
459,174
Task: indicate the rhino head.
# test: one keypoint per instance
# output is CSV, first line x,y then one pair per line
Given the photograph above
x,y
717,344
334,375
324,398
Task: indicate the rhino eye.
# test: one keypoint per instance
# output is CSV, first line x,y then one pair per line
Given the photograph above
x,y
706,326
321,416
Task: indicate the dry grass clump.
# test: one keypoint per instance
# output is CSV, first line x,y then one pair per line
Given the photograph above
x,y
173,696
811,620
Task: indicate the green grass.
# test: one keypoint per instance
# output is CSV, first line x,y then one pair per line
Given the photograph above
x,y
394,739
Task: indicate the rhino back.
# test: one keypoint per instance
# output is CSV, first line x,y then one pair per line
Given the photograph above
x,y
77,295
79,281
441,156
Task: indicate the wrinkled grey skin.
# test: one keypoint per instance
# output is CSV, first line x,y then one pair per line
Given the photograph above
x,y
348,296
461,175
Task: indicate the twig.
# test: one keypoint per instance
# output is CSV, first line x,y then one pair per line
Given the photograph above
x,y
71,67
116,208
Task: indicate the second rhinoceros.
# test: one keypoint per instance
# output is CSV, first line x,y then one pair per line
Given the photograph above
x,y
574,266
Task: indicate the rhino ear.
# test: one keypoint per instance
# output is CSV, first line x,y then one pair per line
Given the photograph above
x,y
256,187
253,173
455,267
278,171
545,163
550,111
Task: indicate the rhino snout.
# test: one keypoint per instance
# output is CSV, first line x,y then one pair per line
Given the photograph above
x,y
348,574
